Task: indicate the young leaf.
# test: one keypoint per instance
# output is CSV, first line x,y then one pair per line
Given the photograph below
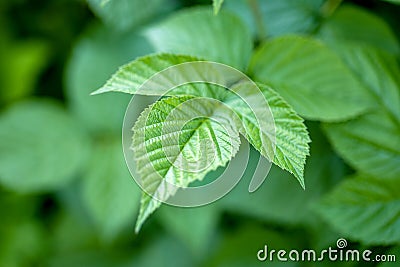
x,y
353,24
371,143
41,147
365,209
288,126
108,190
217,5
289,155
179,153
198,32
311,77
131,76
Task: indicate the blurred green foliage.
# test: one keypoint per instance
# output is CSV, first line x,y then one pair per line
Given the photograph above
x,y
66,196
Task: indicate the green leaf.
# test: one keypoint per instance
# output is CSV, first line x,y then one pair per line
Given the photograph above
x,y
370,143
290,156
365,209
187,156
131,76
109,192
126,14
198,32
96,56
278,17
41,147
217,5
311,77
356,25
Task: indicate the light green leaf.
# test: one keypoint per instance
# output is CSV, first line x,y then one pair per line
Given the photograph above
x,y
199,147
217,5
311,77
289,155
94,59
126,14
288,126
198,32
371,143
41,147
356,25
365,209
109,192
131,76
278,17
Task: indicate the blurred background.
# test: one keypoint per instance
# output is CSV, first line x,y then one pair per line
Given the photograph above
x,y
66,196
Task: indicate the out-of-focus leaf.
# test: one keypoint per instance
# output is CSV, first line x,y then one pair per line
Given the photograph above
x,y
217,5
41,147
311,78
283,201
365,209
278,17
353,24
371,143
182,221
94,58
126,14
109,192
20,65
197,32
177,154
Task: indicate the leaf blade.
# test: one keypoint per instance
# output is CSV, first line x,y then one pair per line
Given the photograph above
x,y
298,68
364,209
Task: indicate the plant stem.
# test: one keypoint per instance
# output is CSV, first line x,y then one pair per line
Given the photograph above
x,y
261,29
